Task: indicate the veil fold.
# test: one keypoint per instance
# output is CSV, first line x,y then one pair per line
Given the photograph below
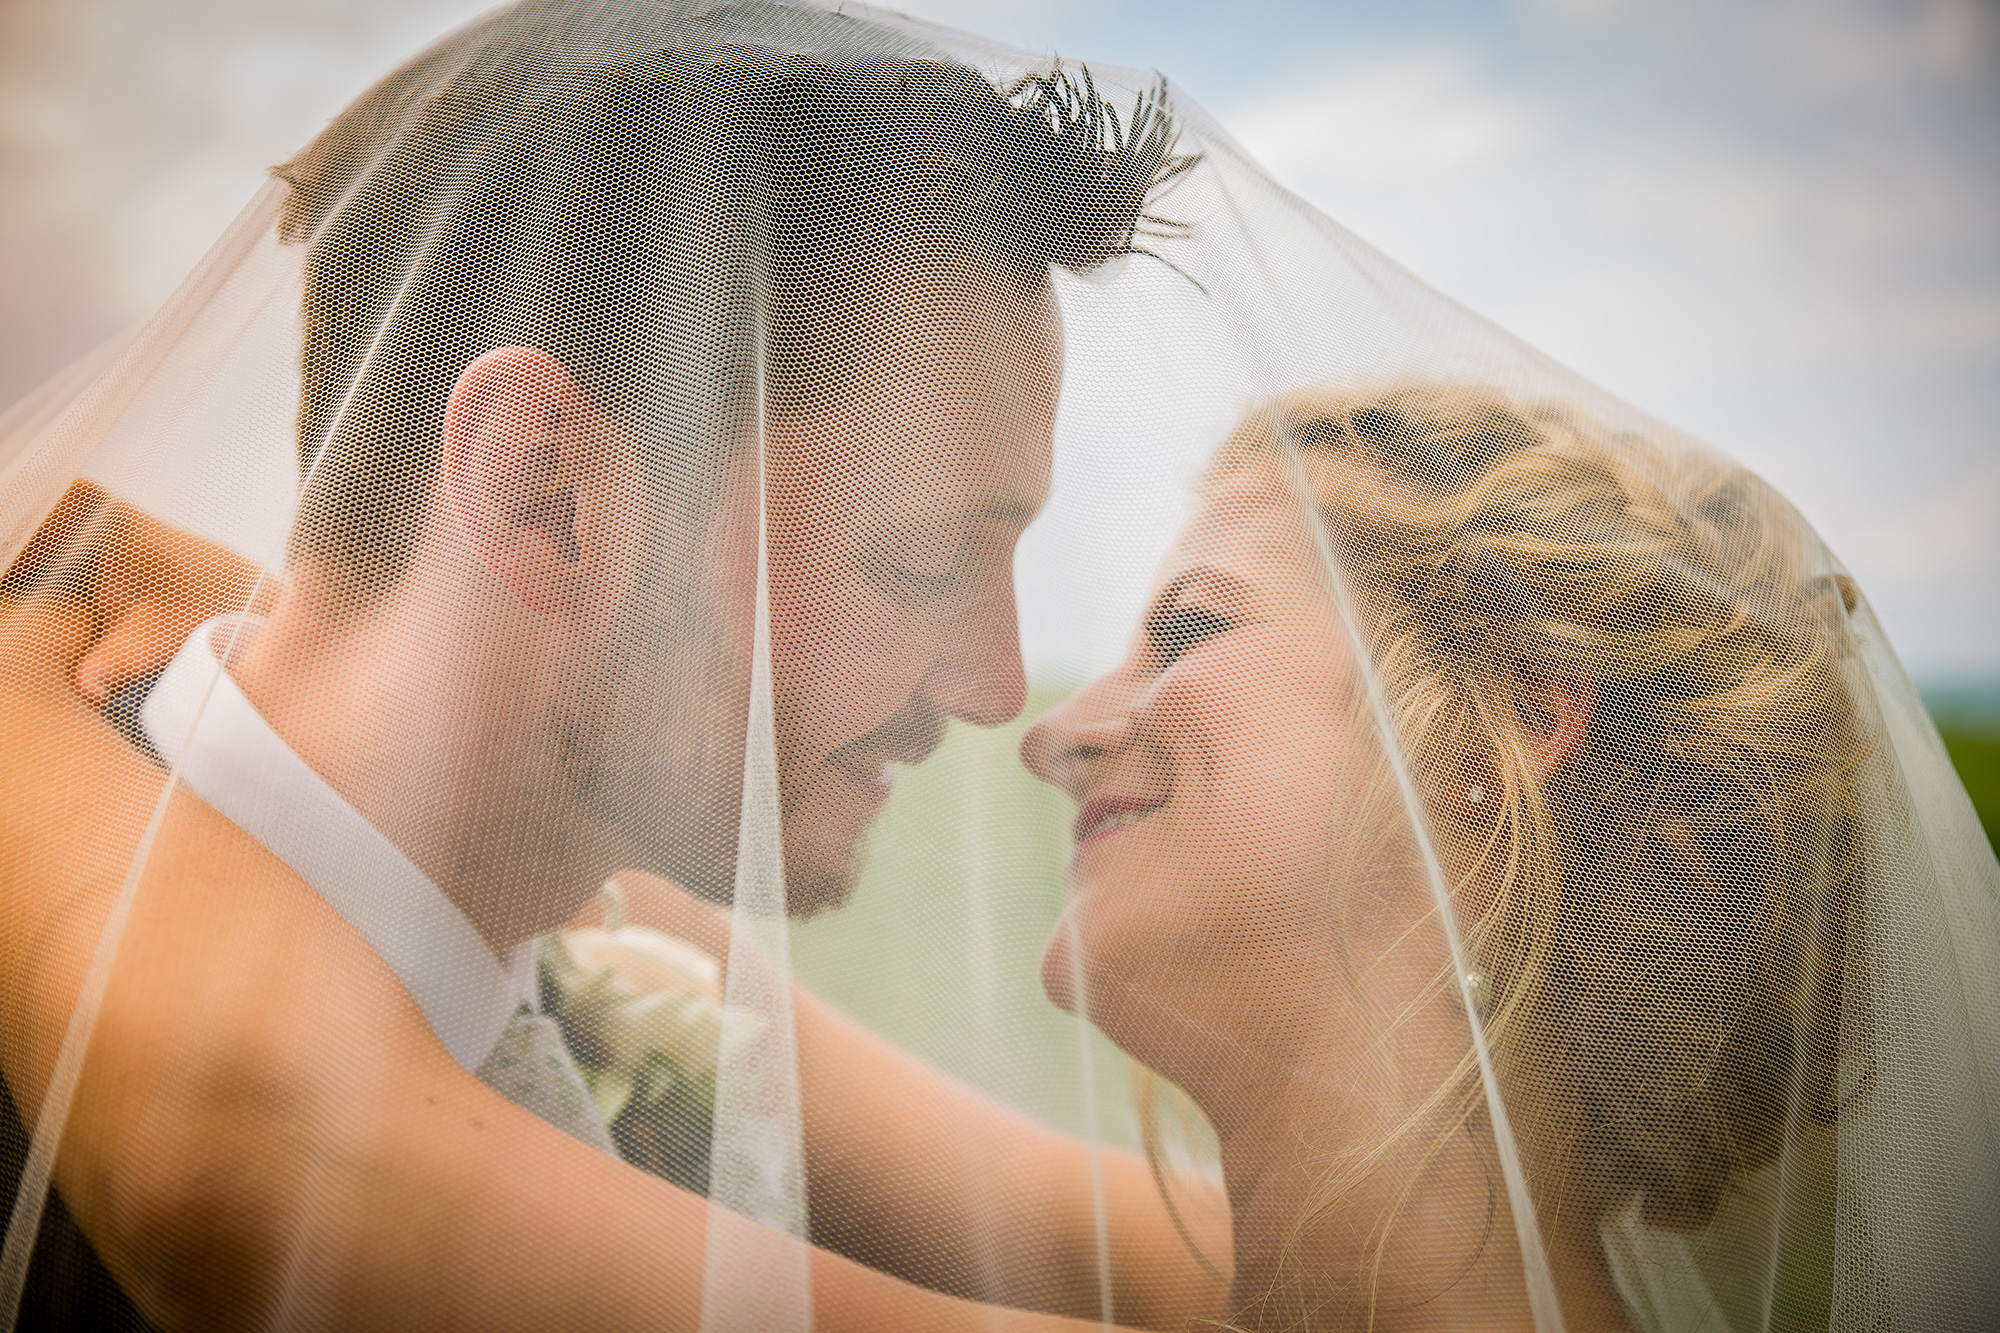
x,y
1499,838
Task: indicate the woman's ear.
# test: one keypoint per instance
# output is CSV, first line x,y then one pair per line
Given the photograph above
x,y
1557,711
539,491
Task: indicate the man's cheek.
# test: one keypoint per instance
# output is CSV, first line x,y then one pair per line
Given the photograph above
x,y
834,659
814,604
841,619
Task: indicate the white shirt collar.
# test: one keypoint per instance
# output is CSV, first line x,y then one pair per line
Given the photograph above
x,y
223,751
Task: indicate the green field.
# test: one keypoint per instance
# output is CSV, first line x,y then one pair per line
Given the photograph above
x,y
1974,748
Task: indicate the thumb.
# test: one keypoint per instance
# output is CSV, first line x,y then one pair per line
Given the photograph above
x,y
143,639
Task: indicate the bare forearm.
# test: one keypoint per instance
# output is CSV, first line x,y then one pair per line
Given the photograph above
x,y
267,1133
916,1174
516,1228
371,1184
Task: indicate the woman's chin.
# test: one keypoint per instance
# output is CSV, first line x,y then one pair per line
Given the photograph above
x,y
1059,980
1078,968
1079,981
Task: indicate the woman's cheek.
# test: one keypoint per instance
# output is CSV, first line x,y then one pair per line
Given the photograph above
x,y
1260,826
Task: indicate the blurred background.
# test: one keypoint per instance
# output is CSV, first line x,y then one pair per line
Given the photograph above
x,y
1774,223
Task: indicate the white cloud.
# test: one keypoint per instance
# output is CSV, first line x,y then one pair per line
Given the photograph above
x,y
1775,225
1410,119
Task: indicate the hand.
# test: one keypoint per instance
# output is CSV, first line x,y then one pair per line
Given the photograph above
x,y
665,906
146,584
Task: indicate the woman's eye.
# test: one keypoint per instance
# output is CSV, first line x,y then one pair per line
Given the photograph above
x,y
1177,629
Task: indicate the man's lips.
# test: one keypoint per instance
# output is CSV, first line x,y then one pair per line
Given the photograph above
x,y
1107,814
876,773
876,768
875,782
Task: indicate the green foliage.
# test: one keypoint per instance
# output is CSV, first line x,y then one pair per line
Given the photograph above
x,y
1975,752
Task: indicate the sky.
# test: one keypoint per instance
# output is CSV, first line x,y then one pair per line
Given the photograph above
x,y
1773,223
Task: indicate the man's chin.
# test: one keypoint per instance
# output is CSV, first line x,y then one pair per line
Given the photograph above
x,y
813,884
810,891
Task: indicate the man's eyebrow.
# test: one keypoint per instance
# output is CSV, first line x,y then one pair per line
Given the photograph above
x,y
1018,513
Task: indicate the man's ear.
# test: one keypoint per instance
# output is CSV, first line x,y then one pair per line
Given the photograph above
x,y
1557,711
538,489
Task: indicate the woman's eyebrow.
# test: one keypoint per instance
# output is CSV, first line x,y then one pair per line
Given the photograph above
x,y
1229,585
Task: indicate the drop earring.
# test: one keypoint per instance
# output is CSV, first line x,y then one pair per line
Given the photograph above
x,y
1478,991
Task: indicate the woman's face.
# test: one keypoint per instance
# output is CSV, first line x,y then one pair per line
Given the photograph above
x,y
1215,773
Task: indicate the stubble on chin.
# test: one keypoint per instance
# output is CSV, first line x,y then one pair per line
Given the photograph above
x,y
665,772
825,852
824,883
654,748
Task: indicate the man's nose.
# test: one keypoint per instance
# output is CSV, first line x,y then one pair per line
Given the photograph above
x,y
979,677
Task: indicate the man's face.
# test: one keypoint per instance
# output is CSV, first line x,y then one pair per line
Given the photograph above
x,y
892,524
893,508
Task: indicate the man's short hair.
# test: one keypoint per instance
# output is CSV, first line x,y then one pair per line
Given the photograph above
x,y
659,195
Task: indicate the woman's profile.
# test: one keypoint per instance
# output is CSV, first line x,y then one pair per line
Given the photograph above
x,y
1646,857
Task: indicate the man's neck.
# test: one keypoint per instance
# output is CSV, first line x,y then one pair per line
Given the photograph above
x,y
438,740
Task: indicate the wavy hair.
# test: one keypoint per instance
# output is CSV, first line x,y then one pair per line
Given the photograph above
x,y
1659,920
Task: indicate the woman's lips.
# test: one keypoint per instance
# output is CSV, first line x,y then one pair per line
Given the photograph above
x,y
1100,818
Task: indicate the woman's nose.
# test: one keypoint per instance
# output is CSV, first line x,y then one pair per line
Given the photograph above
x,y
1065,745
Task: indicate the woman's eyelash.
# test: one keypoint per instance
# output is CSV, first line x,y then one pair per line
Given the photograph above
x,y
1176,629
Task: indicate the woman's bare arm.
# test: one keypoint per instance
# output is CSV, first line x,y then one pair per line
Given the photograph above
x,y
143,584
919,1175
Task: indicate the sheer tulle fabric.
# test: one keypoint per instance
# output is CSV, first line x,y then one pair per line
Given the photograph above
x,y
1513,871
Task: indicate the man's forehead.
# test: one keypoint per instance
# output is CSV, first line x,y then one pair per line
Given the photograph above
x,y
962,337
991,460
948,419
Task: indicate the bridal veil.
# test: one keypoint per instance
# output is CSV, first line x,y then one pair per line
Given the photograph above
x,y
1721,995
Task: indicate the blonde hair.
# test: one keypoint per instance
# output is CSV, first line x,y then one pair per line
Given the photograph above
x,y
1660,919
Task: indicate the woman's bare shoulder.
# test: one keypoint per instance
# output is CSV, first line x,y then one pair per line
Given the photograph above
x,y
241,1017
74,797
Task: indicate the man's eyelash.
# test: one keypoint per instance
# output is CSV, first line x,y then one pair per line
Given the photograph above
x,y
1175,630
904,581
974,557
928,582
